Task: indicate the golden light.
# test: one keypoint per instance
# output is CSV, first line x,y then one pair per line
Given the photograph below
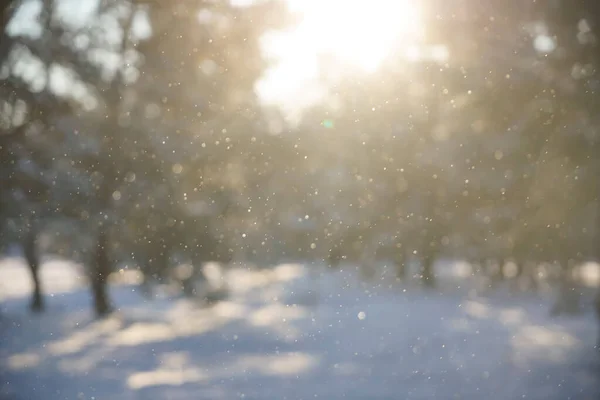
x,y
355,34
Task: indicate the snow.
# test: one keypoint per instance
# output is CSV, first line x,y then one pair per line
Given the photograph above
x,y
291,332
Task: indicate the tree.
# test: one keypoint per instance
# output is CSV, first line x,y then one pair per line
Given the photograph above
x,y
137,131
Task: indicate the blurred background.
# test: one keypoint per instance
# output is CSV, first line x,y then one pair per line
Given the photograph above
x,y
278,199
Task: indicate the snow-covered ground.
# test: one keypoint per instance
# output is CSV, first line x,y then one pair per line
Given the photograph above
x,y
289,334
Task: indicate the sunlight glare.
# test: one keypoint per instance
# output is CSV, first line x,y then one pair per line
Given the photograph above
x,y
356,34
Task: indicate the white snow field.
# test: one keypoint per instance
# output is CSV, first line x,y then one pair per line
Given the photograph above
x,y
288,334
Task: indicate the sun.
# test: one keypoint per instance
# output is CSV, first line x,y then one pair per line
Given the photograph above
x,y
358,32
355,34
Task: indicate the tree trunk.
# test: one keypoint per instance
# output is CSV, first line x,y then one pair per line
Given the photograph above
x,y
188,287
33,263
99,276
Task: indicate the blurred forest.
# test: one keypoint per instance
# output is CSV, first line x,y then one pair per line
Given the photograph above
x,y
132,136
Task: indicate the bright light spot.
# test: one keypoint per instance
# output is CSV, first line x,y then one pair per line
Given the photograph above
x,y
544,44
356,34
362,315
177,168
25,20
440,53
590,274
